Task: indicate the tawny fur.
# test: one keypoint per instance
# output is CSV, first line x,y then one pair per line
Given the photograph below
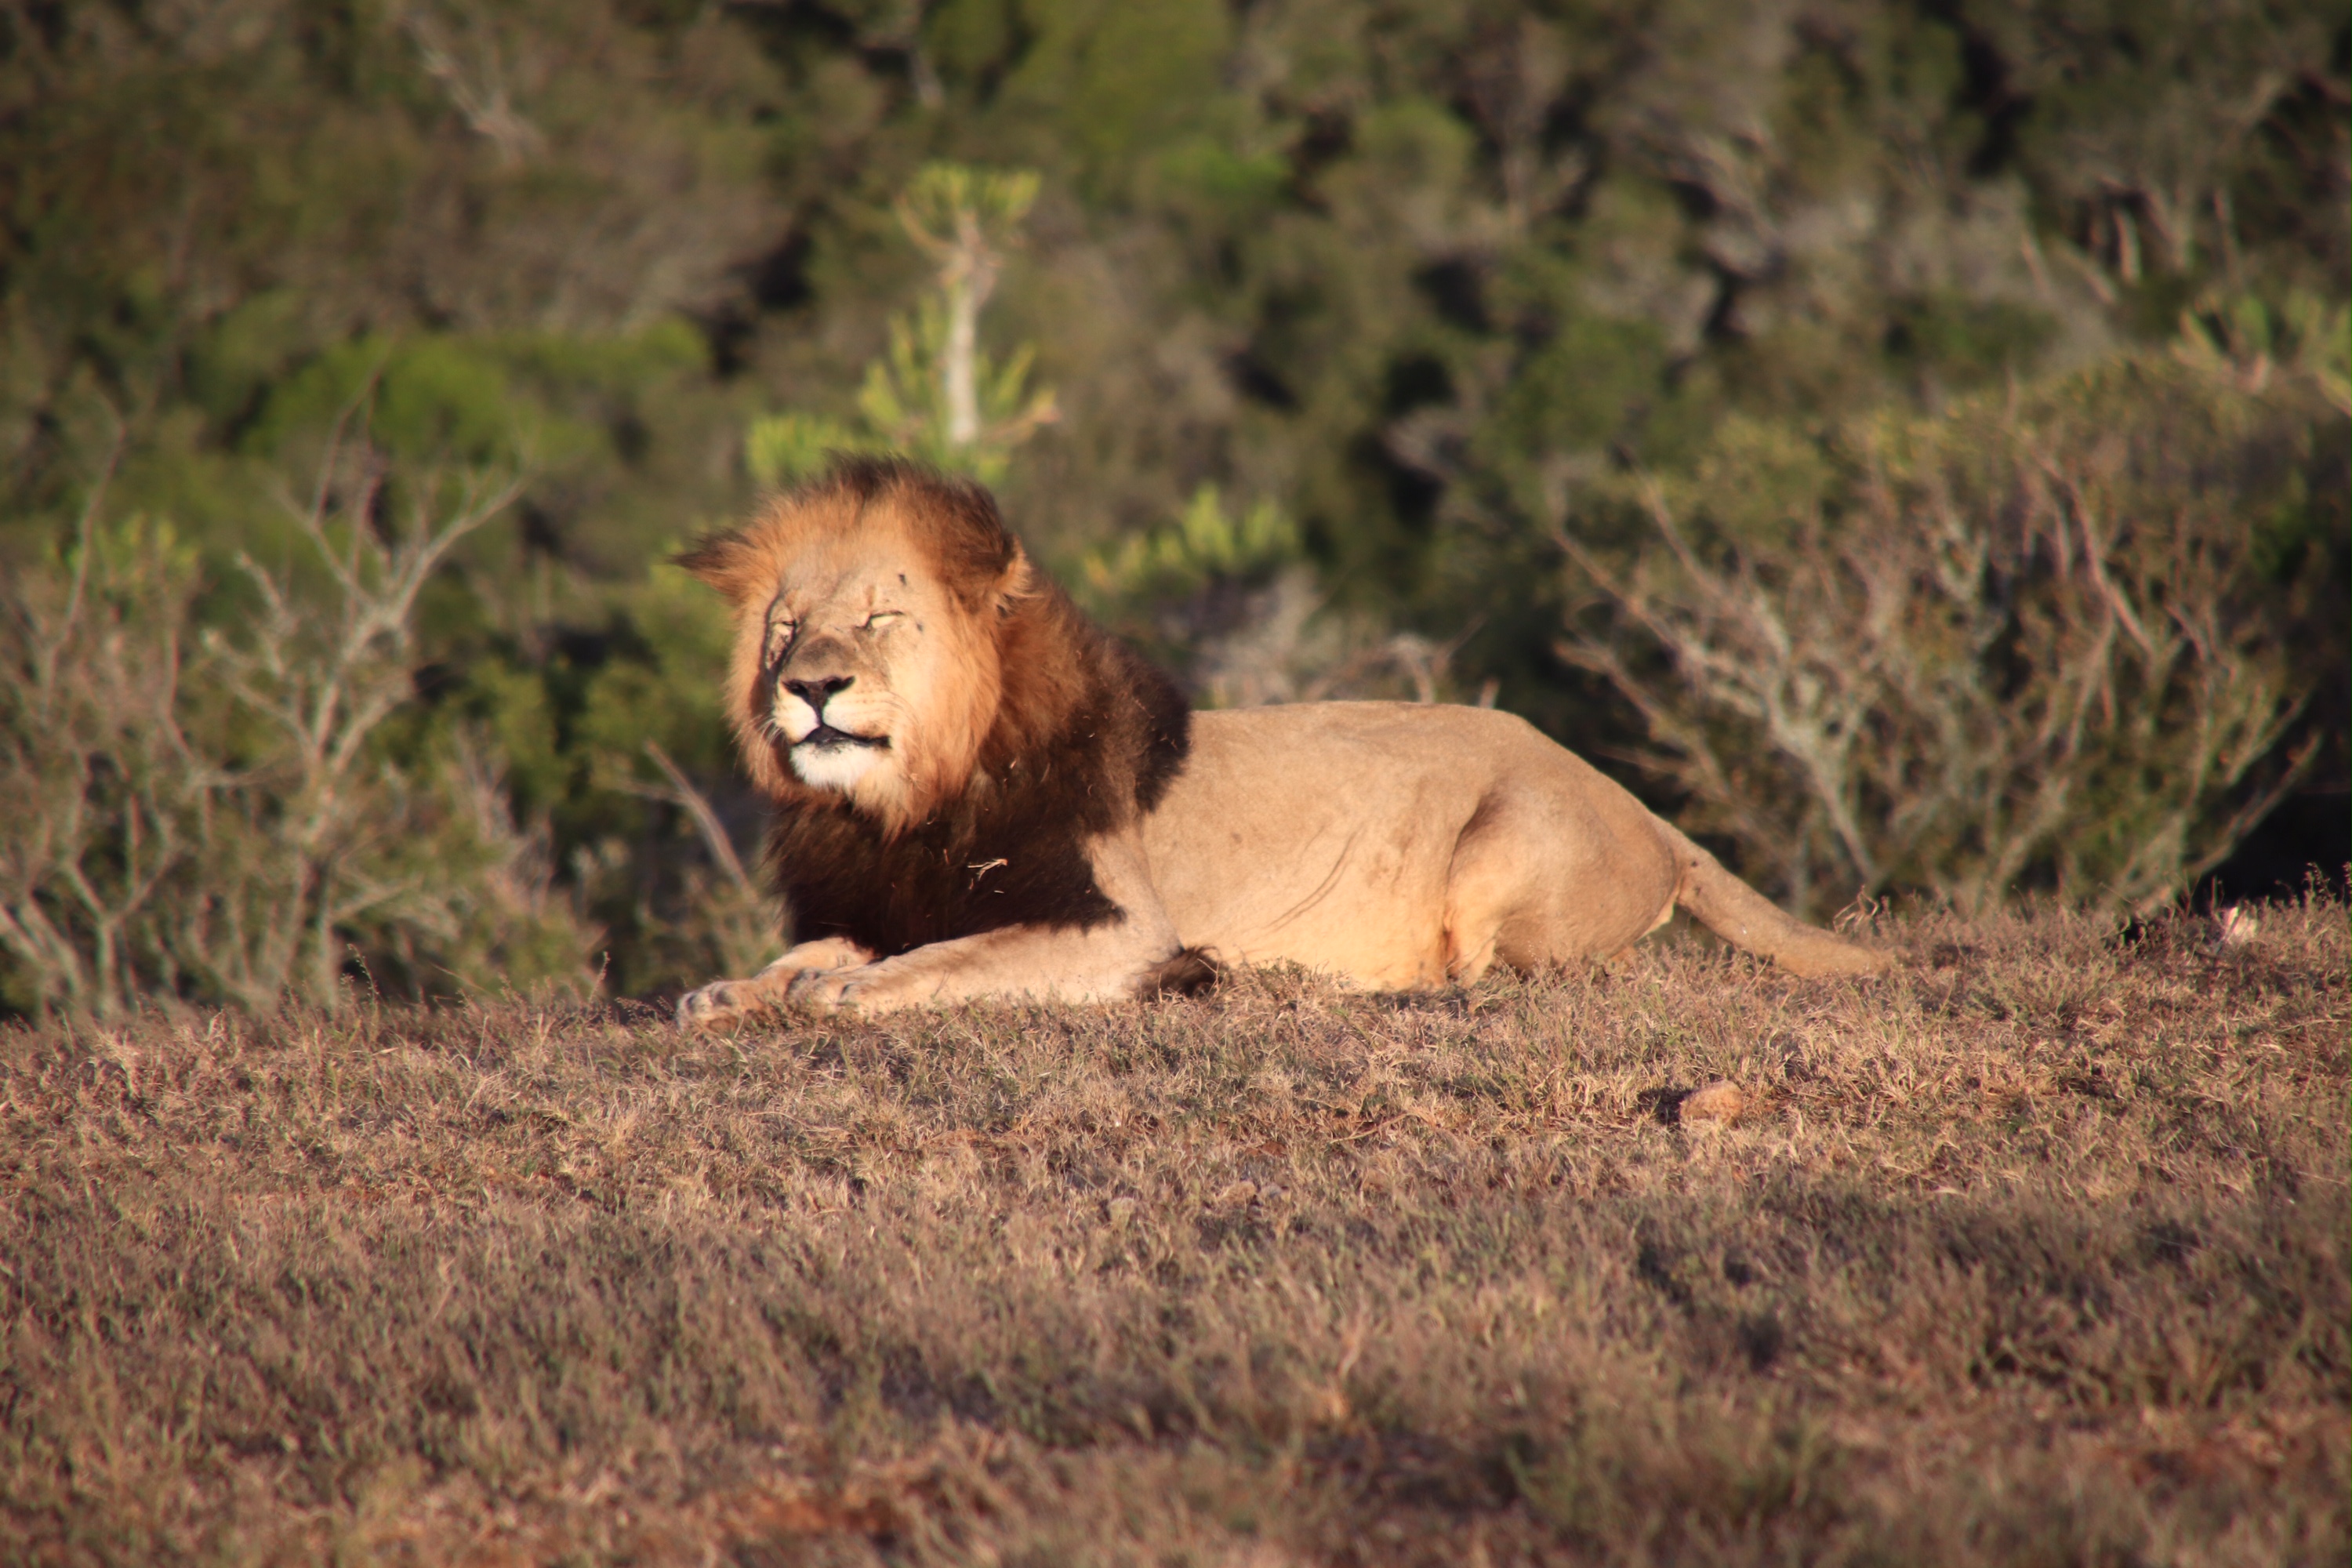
x,y
1009,803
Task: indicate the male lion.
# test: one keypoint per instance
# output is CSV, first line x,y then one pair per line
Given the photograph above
x,y
980,794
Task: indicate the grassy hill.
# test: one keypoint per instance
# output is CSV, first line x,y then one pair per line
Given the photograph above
x,y
2033,1252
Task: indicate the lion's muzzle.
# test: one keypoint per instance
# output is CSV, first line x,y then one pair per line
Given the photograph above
x,y
823,753
798,713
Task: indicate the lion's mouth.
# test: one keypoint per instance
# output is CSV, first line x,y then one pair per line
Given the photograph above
x,y
826,738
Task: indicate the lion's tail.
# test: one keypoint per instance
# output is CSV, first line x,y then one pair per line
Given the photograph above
x,y
1748,920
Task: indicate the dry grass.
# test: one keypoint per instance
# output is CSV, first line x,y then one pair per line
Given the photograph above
x,y
2035,1252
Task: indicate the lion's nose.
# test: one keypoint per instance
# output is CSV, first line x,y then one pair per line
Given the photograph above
x,y
817,693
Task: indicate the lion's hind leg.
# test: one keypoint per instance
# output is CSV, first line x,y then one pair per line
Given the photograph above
x,y
1543,876
1483,890
723,1001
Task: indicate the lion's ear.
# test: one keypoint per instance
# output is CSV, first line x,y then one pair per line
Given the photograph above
x,y
1016,583
721,560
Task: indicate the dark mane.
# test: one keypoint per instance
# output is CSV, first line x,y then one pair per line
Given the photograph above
x,y
1087,736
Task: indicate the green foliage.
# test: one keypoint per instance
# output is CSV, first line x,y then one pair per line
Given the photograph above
x,y
1417,280
2244,338
946,207
1206,545
783,448
299,175
936,395
905,400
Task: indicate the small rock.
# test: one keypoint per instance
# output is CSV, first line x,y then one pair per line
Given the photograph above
x,y
2236,926
1719,1104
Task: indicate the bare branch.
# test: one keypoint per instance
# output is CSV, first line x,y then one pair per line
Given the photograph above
x,y
682,794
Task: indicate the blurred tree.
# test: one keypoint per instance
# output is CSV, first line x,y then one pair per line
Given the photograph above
x,y
936,396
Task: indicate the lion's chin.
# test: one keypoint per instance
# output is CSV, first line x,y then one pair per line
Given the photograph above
x,y
835,767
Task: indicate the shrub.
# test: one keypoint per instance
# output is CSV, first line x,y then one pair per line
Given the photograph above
x,y
2059,638
218,812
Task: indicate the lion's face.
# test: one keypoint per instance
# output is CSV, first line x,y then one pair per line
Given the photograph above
x,y
866,660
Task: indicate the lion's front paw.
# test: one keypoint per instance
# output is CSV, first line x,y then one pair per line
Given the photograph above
x,y
863,988
719,1002
829,989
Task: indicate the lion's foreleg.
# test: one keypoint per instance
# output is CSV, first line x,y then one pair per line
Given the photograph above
x,y
1106,963
1115,960
722,1001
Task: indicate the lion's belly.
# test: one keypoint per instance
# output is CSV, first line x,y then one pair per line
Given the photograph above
x,y
1324,834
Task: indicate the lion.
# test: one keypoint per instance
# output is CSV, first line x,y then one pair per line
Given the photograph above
x,y
978,792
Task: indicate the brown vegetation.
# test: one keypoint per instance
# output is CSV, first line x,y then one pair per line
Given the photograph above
x,y
213,812
2033,1251
2026,644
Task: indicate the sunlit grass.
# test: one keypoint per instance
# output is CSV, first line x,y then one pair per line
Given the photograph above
x,y
2034,1251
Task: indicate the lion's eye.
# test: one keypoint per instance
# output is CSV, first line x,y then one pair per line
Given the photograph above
x,y
884,617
